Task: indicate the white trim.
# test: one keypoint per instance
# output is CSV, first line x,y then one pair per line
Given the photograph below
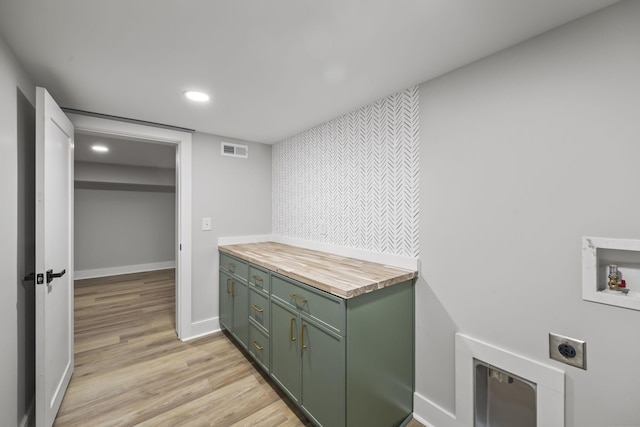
x,y
203,327
381,258
183,231
431,414
182,141
549,380
125,269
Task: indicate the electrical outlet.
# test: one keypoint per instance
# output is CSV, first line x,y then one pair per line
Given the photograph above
x,y
568,350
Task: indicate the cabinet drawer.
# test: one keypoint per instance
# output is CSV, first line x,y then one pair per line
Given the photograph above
x,y
233,265
259,308
259,277
259,346
322,306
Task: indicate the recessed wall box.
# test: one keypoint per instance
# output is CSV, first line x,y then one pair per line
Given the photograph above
x,y
503,399
598,253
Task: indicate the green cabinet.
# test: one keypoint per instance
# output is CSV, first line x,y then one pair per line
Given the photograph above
x,y
285,349
259,315
234,298
226,301
380,358
313,303
323,375
308,363
240,295
343,362
259,346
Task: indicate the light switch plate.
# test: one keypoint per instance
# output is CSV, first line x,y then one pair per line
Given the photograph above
x,y
206,224
568,350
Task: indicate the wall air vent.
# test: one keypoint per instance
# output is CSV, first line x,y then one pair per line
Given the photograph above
x,y
234,150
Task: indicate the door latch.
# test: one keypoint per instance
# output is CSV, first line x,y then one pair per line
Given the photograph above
x,y
51,275
39,278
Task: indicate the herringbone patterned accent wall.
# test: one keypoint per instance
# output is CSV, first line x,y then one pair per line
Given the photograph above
x,y
353,181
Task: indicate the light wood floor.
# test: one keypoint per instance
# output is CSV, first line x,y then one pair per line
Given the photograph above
x,y
131,370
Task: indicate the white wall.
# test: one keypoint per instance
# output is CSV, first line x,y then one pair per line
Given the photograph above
x,y
522,154
15,393
236,194
120,229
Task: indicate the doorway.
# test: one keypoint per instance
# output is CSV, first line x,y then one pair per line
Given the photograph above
x,y
125,205
179,143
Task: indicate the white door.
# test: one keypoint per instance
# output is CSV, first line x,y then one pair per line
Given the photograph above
x,y
54,257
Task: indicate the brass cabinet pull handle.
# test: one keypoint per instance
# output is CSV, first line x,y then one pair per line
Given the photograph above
x,y
228,289
233,288
231,266
256,308
258,347
256,278
297,298
291,337
302,344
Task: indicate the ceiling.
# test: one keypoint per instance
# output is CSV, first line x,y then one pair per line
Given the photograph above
x,y
274,68
124,151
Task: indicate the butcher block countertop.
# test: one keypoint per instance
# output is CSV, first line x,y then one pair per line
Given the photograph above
x,y
341,276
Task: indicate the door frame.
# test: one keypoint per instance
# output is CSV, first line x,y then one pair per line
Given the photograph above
x,y
182,141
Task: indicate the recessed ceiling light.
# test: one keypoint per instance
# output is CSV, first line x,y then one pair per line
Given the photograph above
x,y
100,148
196,96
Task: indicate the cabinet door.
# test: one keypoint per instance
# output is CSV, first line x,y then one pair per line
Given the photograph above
x,y
240,293
323,375
285,353
226,301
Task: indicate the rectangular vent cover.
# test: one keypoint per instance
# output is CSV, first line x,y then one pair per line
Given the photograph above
x,y
234,150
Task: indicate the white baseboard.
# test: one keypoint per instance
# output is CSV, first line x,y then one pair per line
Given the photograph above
x,y
202,328
28,419
431,414
421,420
125,269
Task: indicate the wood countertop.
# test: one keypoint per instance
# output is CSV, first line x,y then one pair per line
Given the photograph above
x,y
341,276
